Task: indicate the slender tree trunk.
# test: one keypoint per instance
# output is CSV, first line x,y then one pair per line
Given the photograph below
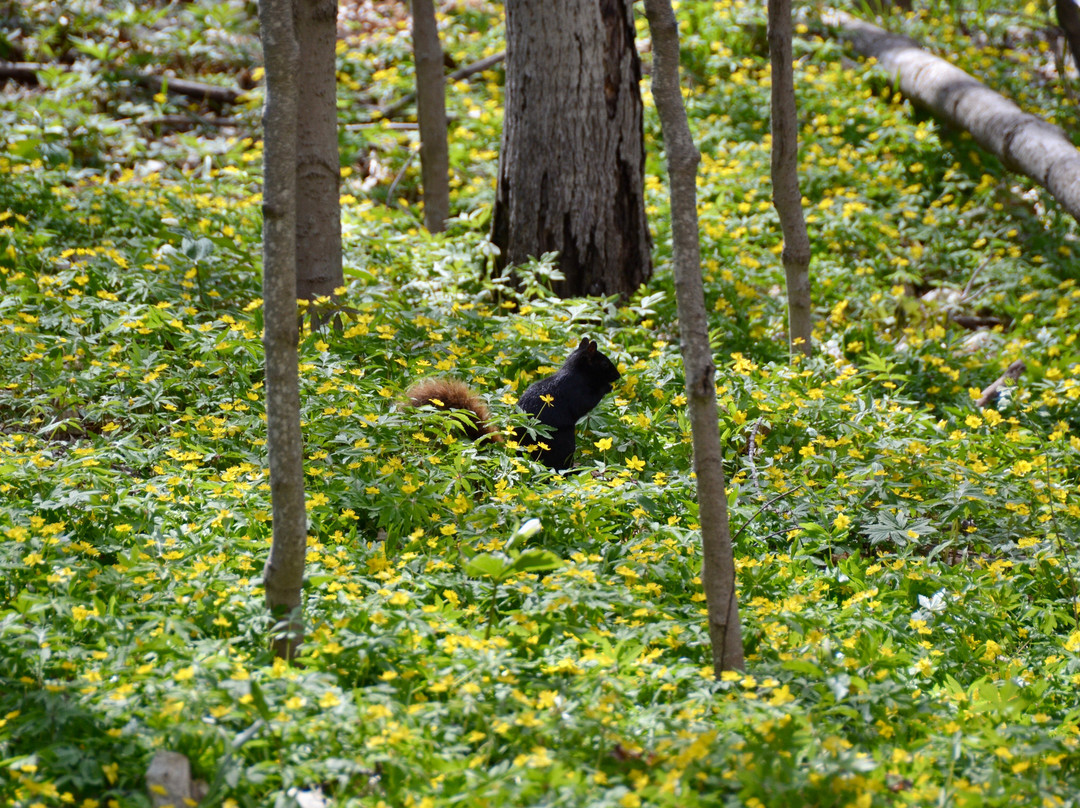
x,y
431,115
718,562
571,169
785,179
318,170
284,571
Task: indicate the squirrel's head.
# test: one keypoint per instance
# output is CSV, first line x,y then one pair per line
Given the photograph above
x,y
599,370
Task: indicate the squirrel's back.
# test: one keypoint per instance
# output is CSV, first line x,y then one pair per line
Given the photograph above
x,y
576,388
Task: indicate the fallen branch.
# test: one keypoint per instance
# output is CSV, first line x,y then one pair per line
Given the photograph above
x,y
990,394
190,89
26,73
390,110
1024,143
22,72
973,322
402,126
186,121
405,167
751,451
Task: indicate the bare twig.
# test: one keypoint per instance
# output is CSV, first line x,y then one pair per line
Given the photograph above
x,y
390,110
971,280
751,450
400,174
767,505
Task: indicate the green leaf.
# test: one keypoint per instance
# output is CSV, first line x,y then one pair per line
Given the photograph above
x,y
102,51
803,666
535,561
260,701
487,566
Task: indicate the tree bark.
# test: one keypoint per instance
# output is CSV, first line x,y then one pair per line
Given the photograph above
x,y
1068,16
431,115
318,168
283,575
1023,142
718,563
785,179
571,168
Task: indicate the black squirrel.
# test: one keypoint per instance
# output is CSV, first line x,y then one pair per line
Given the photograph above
x,y
558,401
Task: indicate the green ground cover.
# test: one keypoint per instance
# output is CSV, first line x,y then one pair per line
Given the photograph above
x,y
909,600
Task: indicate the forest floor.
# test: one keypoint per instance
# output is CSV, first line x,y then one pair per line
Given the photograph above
x,y
909,599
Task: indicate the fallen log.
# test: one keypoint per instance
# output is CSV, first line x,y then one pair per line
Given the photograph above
x,y
22,72
189,89
973,322
1023,142
26,73
186,121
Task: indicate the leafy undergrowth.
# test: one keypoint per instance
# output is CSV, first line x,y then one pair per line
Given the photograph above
x,y
907,561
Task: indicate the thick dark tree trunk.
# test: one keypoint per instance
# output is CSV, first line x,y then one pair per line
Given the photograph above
x,y
318,169
572,161
431,115
1068,16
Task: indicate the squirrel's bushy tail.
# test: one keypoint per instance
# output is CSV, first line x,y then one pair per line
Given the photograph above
x,y
452,394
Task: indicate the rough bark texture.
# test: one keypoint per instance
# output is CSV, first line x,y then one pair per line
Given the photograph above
x,y
1068,15
431,115
718,562
1023,142
284,572
318,169
572,160
785,179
